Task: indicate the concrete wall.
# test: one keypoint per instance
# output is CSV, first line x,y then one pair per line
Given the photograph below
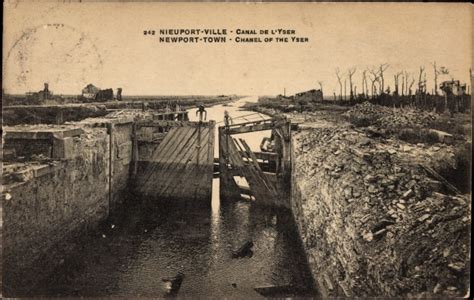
x,y
121,158
48,204
54,203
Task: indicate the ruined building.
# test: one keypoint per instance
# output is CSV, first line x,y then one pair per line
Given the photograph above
x,y
91,92
453,87
40,96
310,96
119,93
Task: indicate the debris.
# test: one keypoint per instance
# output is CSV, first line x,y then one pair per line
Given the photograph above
x,y
441,178
368,236
423,217
244,251
407,194
457,266
437,289
172,285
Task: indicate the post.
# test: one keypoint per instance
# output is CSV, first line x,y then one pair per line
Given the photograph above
x,y
134,151
110,131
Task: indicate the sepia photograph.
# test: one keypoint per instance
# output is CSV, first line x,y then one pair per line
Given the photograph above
x,y
239,150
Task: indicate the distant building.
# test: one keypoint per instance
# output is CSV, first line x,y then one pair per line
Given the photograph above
x,y
104,95
453,87
119,93
90,91
310,96
40,96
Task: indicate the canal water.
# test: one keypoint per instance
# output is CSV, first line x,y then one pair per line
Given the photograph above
x,y
143,244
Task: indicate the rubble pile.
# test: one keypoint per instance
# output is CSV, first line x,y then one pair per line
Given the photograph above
x,y
367,114
374,221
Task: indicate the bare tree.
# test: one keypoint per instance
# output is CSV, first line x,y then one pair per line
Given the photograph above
x,y
436,73
382,69
396,78
340,83
407,75
320,85
351,73
345,88
420,82
365,89
411,85
373,79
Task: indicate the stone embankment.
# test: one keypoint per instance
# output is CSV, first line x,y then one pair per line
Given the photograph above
x,y
375,216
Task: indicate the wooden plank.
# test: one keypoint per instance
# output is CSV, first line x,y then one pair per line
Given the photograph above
x,y
229,189
158,156
175,181
188,171
249,123
145,178
166,170
200,173
176,139
255,182
179,145
271,188
169,172
251,128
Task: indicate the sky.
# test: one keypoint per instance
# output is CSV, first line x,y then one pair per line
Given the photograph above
x,y
70,45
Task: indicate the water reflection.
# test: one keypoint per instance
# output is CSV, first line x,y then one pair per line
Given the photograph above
x,y
152,242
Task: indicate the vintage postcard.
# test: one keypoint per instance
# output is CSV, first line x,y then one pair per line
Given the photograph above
x,y
236,150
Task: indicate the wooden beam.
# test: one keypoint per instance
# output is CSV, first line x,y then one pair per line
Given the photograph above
x,y
251,128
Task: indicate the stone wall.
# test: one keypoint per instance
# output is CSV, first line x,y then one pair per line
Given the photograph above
x,y
121,158
60,193
372,222
51,114
51,205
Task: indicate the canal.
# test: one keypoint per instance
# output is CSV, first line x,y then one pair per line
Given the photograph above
x,y
142,244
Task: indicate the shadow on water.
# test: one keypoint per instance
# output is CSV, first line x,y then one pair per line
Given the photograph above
x,y
160,250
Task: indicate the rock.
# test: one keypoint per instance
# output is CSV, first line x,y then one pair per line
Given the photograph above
x,y
457,266
348,192
407,194
370,178
368,236
437,289
372,189
423,217
379,233
446,252
401,206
